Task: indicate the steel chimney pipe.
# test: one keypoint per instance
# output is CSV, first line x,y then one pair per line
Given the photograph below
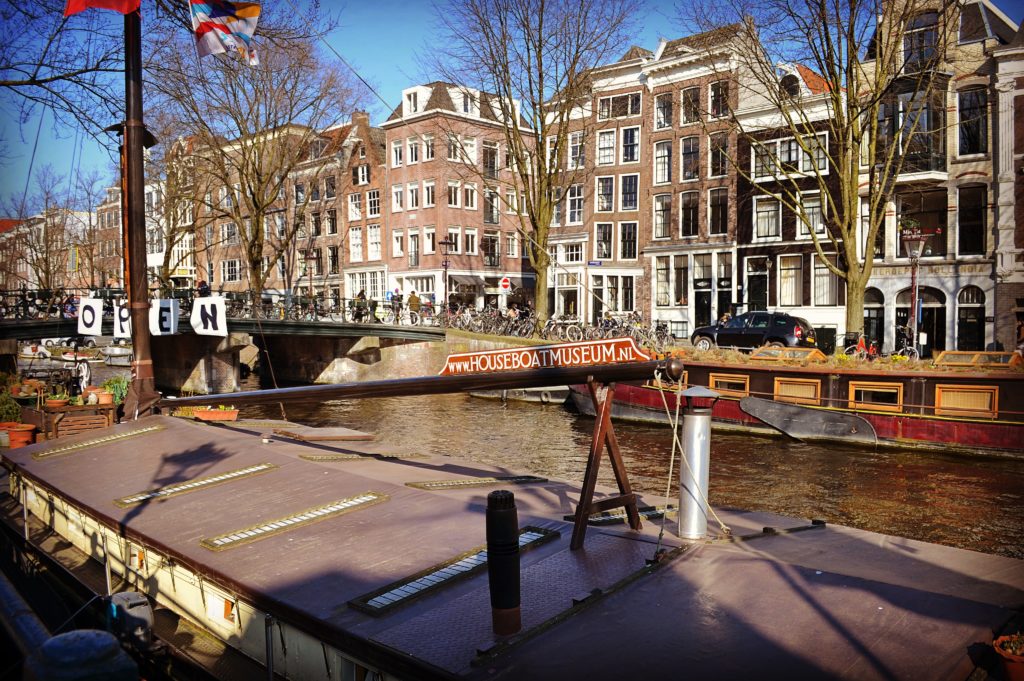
x,y
503,562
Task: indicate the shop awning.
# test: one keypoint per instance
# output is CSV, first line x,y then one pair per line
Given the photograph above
x,y
466,279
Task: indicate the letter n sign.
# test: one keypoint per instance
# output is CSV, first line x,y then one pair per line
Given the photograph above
x,y
90,317
122,321
163,317
209,316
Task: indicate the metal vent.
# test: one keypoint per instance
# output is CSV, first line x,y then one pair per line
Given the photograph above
x,y
199,483
107,439
476,482
606,518
430,580
256,532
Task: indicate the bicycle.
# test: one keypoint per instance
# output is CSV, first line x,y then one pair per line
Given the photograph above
x,y
904,346
864,348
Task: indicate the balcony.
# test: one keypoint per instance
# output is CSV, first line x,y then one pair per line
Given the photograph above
x,y
924,162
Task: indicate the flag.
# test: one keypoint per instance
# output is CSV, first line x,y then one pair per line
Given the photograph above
x,y
221,25
122,6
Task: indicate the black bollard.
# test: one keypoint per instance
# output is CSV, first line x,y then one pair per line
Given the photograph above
x,y
503,562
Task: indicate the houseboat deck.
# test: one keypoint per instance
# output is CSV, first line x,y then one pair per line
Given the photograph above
x,y
826,602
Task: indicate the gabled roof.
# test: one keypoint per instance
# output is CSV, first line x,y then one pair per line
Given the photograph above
x,y
700,41
635,52
814,82
7,224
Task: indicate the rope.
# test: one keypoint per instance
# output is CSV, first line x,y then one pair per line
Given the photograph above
x,y
674,423
676,444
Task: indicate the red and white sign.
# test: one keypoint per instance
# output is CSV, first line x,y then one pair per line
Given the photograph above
x,y
505,284
584,353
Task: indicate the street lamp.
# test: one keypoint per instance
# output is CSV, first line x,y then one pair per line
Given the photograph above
x,y
446,245
913,242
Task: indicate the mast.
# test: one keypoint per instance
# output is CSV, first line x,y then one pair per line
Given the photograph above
x,y
142,393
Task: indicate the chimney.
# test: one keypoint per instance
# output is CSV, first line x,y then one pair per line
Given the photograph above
x,y
360,119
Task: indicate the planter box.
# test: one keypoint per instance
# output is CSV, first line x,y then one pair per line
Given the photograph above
x,y
216,414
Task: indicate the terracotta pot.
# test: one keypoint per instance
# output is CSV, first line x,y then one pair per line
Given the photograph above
x,y
7,425
1013,665
21,435
104,397
57,402
216,414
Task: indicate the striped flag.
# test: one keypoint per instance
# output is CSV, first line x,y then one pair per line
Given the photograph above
x,y
221,25
122,6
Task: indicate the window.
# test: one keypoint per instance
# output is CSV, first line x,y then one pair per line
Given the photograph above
x,y
373,249
691,105
719,164
469,149
314,224
373,203
826,284
662,272
971,214
798,390
876,396
767,218
603,240
719,99
577,151
414,249
454,148
229,233
618,106
791,280
332,221
455,239
333,263
627,240
605,194
413,149
492,206
229,271
688,206
490,160
663,112
511,201
300,193
397,197
396,153
764,160
469,239
429,240
730,385
454,192
412,102
469,196
428,193
690,147
966,400
810,218
314,190
428,147
512,245
718,211
355,206
818,156
973,109
361,174
355,244
414,195
397,244
490,245
630,188
606,147
468,101
329,187
575,216
662,162
574,253
662,215
630,145
919,41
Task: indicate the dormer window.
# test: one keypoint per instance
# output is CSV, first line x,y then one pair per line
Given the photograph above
x,y
468,101
920,41
411,101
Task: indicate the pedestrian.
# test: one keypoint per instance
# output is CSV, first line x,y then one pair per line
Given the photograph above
x,y
414,303
359,307
202,289
396,302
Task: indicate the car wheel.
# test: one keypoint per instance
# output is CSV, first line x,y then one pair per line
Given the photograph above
x,y
704,344
90,343
776,344
48,343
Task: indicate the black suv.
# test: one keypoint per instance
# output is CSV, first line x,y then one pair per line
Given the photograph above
x,y
754,329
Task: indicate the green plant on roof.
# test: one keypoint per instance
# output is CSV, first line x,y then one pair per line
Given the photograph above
x,y
9,409
118,387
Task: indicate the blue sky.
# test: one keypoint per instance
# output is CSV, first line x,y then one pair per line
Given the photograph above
x,y
386,57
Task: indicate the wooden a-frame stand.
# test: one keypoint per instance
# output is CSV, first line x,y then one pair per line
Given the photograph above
x,y
604,435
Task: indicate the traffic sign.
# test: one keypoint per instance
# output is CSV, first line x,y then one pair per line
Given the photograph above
x,y
505,284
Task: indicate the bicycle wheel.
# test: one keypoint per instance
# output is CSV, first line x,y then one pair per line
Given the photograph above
x,y
573,333
910,353
414,318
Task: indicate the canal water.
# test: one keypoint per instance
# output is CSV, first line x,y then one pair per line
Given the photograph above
x,y
969,502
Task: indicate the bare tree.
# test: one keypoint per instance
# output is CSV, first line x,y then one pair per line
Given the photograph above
x,y
42,238
876,93
90,188
535,57
257,142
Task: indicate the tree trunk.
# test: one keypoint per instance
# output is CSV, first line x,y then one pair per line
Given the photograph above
x,y
540,295
855,285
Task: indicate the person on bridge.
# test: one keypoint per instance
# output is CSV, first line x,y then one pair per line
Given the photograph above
x,y
414,303
202,289
396,302
359,306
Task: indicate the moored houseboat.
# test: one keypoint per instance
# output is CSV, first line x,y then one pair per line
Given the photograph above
x,y
971,401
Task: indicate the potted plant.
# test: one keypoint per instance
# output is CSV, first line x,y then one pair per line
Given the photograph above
x,y
1011,649
59,399
221,413
116,386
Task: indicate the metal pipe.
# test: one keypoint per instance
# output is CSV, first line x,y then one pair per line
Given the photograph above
x,y
694,473
268,631
19,620
503,562
434,385
106,561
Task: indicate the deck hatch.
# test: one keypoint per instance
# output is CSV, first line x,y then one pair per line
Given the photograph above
x,y
271,527
107,439
476,482
609,518
404,591
193,485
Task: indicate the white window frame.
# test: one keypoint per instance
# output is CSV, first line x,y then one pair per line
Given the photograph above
x,y
696,233
455,237
682,105
413,199
397,198
472,242
373,199
800,280
622,195
412,151
597,194
622,145
512,245
597,241
816,266
457,187
429,190
226,267
636,240
802,232
577,160
428,148
397,147
397,243
611,99
711,155
606,134
658,123
373,242
355,244
574,204
469,201
666,160
682,166
355,206
778,219
654,217
429,240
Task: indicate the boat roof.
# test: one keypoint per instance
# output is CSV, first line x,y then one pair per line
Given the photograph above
x,y
757,601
